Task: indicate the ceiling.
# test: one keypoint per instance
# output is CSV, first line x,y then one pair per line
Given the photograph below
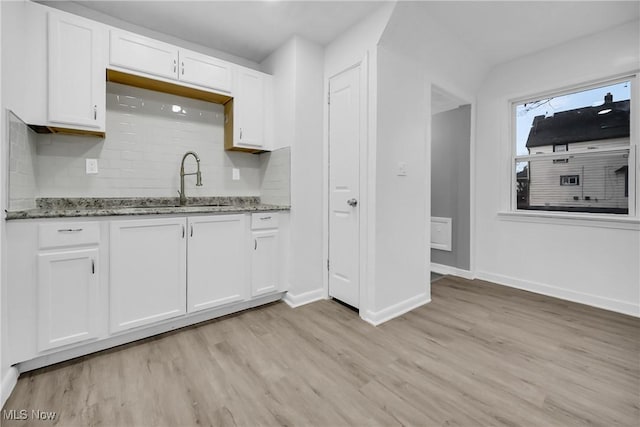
x,y
498,31
249,29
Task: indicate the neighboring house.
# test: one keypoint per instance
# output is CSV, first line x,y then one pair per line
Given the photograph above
x,y
587,182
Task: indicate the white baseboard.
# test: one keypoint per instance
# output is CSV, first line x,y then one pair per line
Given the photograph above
x,y
294,300
379,317
9,381
618,306
453,271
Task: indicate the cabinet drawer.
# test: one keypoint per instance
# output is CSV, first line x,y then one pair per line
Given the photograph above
x,y
63,234
264,220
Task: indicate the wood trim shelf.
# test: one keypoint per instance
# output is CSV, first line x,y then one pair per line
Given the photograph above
x,y
165,87
43,129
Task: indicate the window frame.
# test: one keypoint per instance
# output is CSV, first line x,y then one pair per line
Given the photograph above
x,y
632,148
570,180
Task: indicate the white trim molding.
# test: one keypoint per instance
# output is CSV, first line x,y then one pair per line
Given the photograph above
x,y
621,222
9,382
610,304
294,301
379,317
453,271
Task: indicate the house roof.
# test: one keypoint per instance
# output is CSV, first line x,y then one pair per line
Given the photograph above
x,y
581,124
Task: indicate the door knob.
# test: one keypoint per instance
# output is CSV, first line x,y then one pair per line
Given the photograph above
x,y
352,202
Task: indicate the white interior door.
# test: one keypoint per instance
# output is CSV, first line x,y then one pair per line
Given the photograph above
x,y
344,142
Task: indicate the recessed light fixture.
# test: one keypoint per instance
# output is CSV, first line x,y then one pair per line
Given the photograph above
x,y
605,111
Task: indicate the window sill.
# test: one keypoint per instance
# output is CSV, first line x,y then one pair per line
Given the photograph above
x,y
582,220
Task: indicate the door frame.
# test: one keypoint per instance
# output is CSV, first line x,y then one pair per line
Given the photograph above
x,y
366,184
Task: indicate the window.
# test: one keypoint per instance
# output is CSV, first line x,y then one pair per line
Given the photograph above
x,y
580,139
569,179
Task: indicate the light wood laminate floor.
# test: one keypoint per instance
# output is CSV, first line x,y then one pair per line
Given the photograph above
x,y
479,354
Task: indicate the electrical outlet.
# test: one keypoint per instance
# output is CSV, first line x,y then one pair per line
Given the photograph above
x,y
91,166
235,174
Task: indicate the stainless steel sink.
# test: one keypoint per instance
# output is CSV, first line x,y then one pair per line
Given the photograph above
x,y
173,206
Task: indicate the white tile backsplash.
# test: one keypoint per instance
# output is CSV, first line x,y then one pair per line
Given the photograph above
x,y
141,153
22,160
275,179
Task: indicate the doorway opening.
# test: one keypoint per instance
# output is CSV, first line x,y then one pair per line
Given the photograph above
x,y
450,182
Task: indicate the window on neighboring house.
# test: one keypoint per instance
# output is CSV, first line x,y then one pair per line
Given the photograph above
x,y
569,179
581,139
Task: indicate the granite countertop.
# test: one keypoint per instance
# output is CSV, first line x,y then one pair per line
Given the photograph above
x,y
90,207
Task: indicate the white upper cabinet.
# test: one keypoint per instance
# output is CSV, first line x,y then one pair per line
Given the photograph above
x,y
203,70
216,261
143,54
250,114
247,115
152,57
76,85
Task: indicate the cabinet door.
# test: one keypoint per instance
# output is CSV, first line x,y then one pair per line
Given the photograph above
x,y
76,72
249,104
216,262
148,271
67,297
205,71
264,262
143,54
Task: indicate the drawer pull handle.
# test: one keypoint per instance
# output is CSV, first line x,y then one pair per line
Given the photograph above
x,y
93,267
264,218
69,230
255,244
191,230
183,231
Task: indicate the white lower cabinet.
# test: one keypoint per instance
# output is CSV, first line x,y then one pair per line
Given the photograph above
x,y
148,271
266,253
264,262
216,261
68,292
71,291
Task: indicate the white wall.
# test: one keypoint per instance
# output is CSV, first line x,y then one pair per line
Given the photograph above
x,y
358,46
402,203
351,47
297,66
446,60
567,259
414,53
282,65
3,335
